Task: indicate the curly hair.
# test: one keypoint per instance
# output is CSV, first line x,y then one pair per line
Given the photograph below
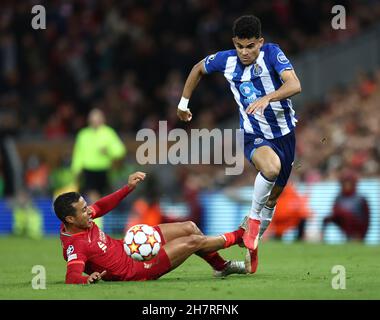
x,y
247,27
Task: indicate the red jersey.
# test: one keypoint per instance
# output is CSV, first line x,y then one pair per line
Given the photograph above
x,y
96,251
92,250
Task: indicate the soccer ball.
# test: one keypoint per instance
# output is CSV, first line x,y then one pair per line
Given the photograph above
x,y
142,242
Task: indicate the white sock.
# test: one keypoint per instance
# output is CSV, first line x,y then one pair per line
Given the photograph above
x,y
266,218
261,191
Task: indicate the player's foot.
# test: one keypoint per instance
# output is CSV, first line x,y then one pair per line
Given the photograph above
x,y
251,260
234,237
232,267
251,234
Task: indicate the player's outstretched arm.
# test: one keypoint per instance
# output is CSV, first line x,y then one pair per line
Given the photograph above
x,y
195,75
107,203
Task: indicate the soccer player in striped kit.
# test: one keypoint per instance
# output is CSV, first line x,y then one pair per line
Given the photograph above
x,y
262,80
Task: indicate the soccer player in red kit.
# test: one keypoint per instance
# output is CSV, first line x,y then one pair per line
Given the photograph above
x,y
88,249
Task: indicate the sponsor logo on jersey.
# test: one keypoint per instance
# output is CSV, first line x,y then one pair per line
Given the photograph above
x,y
248,90
282,58
258,141
72,257
148,265
70,249
102,246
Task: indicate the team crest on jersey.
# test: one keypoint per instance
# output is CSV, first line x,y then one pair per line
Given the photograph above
x,y
257,70
282,58
258,141
70,249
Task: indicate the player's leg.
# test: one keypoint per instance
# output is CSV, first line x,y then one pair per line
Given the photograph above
x,y
176,230
268,163
269,209
285,149
172,254
274,162
172,231
178,250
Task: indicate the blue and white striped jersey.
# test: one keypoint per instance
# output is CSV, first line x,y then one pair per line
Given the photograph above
x,y
251,82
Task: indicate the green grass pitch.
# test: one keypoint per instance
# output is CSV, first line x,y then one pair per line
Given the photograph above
x,y
286,271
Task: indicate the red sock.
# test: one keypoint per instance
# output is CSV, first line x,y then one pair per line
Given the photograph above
x,y
234,237
214,260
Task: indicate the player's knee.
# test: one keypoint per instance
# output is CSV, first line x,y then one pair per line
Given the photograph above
x,y
195,242
191,228
272,169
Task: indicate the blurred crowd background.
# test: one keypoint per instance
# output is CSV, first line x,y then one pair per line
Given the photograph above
x,y
130,59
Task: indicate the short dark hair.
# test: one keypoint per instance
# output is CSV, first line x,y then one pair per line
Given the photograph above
x,y
247,27
63,205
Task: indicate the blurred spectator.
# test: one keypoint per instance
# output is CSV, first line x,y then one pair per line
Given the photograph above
x,y
292,211
131,56
336,133
37,175
96,148
191,188
27,218
121,171
2,184
146,209
62,178
350,211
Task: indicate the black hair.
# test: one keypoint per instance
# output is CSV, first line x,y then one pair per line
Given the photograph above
x,y
63,205
247,27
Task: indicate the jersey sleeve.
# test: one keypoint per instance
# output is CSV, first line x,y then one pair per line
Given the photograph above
x,y
278,59
75,252
76,256
108,203
74,274
215,62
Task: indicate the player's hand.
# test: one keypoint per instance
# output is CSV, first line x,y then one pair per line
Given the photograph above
x,y
258,106
95,277
135,178
184,115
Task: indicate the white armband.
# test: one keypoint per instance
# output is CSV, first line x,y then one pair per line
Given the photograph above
x,y
183,104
